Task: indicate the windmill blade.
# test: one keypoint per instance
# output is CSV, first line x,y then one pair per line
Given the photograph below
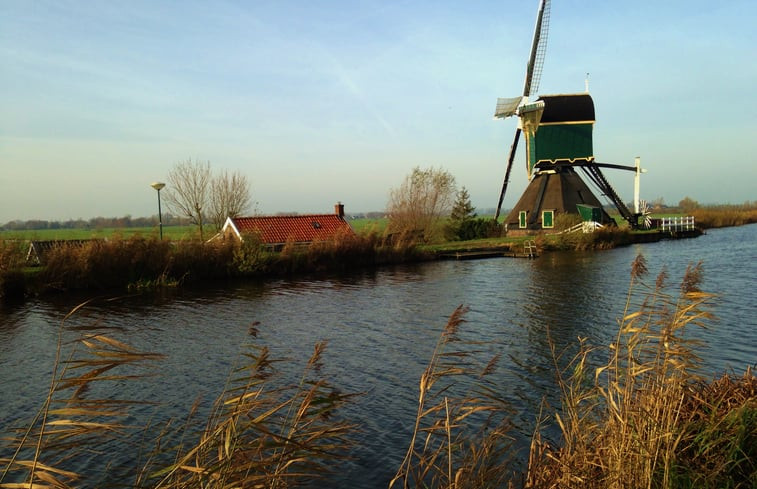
x,y
645,212
538,49
510,159
508,107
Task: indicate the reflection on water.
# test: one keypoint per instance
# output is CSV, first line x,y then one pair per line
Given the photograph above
x,y
381,327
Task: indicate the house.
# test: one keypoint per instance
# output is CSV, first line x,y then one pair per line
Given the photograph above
x,y
276,231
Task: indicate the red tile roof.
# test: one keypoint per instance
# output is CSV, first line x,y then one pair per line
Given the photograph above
x,y
299,229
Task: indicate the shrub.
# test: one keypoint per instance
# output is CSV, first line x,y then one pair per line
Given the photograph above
x,y
479,228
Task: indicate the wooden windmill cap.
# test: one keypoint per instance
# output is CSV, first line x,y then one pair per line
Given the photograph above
x,y
577,107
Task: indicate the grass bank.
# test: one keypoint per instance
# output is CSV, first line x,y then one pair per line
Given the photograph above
x,y
135,257
139,262
641,418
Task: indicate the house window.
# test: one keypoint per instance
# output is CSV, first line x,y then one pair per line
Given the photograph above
x,y
548,219
316,225
522,219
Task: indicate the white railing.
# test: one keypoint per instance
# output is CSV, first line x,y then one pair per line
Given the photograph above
x,y
672,224
585,227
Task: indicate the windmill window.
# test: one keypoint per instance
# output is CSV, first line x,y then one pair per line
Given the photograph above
x,y
522,219
316,225
548,219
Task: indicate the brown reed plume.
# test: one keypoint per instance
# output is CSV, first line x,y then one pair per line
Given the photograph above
x,y
71,420
262,434
631,422
448,449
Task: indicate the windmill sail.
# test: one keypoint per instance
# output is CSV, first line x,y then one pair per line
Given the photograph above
x,y
507,107
538,49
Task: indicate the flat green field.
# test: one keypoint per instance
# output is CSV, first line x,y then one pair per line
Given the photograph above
x,y
365,225
169,232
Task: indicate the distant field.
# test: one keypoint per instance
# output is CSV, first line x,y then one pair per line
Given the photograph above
x,y
169,232
361,225
367,225
172,232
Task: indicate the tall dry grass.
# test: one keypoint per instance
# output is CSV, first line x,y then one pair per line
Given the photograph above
x,y
118,263
12,257
632,423
261,434
725,215
643,419
461,435
262,431
73,421
140,262
601,239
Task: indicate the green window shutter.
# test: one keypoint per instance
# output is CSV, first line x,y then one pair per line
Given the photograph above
x,y
548,219
522,219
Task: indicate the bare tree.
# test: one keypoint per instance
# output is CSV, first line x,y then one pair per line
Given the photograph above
x,y
188,190
418,206
229,197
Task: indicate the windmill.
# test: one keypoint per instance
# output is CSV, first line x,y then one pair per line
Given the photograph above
x,y
558,132
645,214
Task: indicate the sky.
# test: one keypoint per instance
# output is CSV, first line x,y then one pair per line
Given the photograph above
x,y
319,102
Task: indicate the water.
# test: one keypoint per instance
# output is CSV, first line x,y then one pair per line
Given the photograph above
x,y
381,327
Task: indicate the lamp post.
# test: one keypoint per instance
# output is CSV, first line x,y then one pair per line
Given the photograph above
x,y
158,186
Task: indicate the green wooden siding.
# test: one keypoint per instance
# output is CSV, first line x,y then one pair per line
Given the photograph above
x,y
561,142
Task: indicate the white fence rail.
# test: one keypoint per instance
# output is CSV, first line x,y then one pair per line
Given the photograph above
x,y
585,227
672,224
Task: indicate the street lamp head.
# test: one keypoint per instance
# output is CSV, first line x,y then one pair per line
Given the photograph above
x,y
157,185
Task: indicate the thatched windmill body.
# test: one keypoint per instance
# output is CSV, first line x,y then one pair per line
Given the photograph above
x,y
558,133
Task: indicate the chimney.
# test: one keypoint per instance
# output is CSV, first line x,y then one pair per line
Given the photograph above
x,y
339,210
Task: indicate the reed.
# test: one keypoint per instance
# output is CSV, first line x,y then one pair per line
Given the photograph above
x,y
725,215
140,263
633,422
261,432
643,419
601,239
345,252
73,420
447,448
12,279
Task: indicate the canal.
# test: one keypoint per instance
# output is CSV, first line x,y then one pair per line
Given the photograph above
x,y
381,327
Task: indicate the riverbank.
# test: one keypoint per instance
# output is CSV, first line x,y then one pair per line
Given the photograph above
x,y
137,263
530,246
